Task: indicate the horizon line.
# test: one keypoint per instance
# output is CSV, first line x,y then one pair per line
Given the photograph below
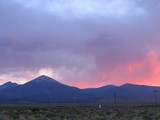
x,y
78,87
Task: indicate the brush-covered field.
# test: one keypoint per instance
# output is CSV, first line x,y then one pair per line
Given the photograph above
x,y
79,112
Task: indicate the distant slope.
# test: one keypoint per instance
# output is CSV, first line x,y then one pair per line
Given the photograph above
x,y
44,89
99,92
125,93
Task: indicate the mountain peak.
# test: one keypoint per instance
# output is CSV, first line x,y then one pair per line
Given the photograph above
x,y
44,78
8,84
130,85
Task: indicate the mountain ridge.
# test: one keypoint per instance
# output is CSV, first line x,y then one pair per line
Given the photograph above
x,y
43,89
40,89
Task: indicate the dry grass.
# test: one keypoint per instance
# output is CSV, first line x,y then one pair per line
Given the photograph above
x,y
79,112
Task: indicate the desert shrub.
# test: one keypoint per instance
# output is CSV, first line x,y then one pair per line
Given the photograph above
x,y
39,119
44,109
77,112
100,113
50,115
120,114
132,115
101,119
68,116
147,117
108,113
35,109
157,117
62,116
143,112
37,116
15,116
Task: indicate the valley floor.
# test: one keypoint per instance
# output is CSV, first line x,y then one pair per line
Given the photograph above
x,y
79,112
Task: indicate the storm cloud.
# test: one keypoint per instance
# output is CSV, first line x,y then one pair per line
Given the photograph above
x,y
86,43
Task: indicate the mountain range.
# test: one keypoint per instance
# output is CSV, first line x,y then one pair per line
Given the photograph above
x,y
45,89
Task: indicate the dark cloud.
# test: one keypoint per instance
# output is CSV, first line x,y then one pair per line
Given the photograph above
x,y
105,43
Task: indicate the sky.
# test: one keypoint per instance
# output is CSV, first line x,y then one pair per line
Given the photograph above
x,y
82,43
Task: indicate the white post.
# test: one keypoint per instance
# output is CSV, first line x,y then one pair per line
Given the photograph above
x,y
100,106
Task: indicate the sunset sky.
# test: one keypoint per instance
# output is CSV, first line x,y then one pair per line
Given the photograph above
x,y
82,43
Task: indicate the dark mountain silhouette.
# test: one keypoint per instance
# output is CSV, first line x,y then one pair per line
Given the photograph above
x,y
8,85
45,89
99,92
125,93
